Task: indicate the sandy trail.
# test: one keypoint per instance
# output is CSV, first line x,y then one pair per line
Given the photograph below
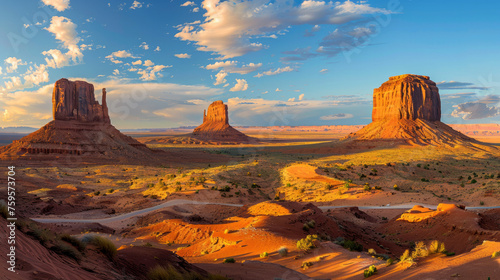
x,y
185,202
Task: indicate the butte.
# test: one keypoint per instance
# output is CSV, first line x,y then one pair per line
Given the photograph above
x,y
80,132
407,109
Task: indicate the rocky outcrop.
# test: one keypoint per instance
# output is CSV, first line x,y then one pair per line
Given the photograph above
x,y
76,101
81,128
407,108
407,97
215,126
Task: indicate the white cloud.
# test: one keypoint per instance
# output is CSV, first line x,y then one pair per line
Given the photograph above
x,y
183,55
230,26
36,75
157,49
195,10
148,63
137,62
231,67
291,99
323,70
277,90
275,72
136,5
153,72
220,78
241,85
144,45
65,31
113,57
478,109
188,3
116,72
1,71
336,117
301,97
13,63
59,5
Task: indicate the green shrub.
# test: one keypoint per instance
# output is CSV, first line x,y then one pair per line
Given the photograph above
x,y
162,273
40,234
396,188
389,262
264,255
352,245
306,265
283,251
370,271
473,181
104,245
495,254
73,241
229,260
64,249
305,244
97,193
436,247
367,188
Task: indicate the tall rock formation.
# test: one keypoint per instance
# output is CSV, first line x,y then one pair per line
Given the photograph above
x,y
408,108
81,127
215,126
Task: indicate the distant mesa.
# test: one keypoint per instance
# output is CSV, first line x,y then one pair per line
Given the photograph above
x,y
407,108
216,126
81,127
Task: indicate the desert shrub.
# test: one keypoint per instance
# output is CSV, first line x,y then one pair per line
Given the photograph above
x,y
370,271
396,188
473,181
64,249
389,262
495,254
283,251
264,255
305,244
162,273
367,188
420,250
75,242
227,231
406,257
481,202
305,227
372,251
436,246
449,254
306,265
352,245
311,224
225,189
229,260
97,193
378,187
104,245
40,234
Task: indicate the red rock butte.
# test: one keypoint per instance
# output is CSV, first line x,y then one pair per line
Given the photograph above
x,y
81,128
215,126
407,108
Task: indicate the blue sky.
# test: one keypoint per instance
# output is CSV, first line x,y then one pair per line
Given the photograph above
x,y
273,62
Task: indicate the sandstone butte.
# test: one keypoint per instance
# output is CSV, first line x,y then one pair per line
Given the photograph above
x,y
407,108
215,126
81,127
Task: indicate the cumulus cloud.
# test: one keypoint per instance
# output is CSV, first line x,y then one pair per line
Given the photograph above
x,y
277,90
188,3
136,5
65,31
137,62
230,26
183,55
144,45
291,99
241,85
275,72
1,71
148,63
220,78
323,71
478,109
113,57
336,117
232,67
12,64
152,73
311,32
195,10
458,85
59,5
301,97
157,49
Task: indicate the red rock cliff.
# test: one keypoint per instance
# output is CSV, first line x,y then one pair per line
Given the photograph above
x,y
76,101
408,97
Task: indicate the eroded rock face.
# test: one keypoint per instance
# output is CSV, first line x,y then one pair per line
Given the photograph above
x,y
76,101
408,97
216,125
